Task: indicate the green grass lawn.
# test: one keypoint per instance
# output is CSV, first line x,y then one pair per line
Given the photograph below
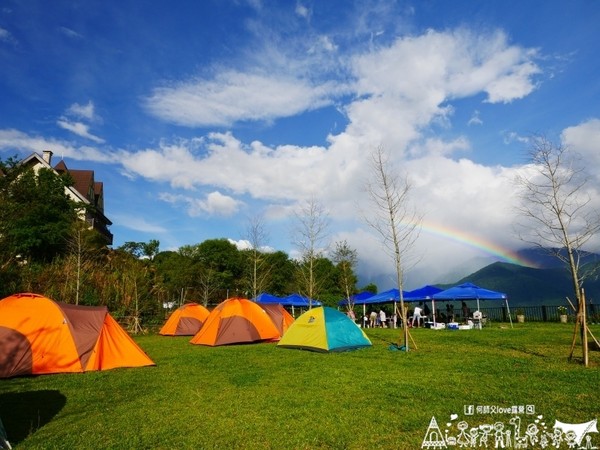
x,y
264,397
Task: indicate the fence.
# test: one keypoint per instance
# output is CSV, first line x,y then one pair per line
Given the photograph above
x,y
536,313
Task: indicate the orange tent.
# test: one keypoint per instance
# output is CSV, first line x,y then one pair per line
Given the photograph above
x,y
185,320
40,336
280,317
236,321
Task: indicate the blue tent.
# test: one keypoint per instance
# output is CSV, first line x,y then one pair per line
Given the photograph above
x,y
391,296
299,300
421,294
357,299
470,291
290,300
267,298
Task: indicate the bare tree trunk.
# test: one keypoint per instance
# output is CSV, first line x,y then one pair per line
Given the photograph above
x,y
558,218
257,237
309,237
395,221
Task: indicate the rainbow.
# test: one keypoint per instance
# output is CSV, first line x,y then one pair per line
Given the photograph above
x,y
475,242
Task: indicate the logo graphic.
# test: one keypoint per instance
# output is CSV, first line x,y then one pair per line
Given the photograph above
x,y
512,433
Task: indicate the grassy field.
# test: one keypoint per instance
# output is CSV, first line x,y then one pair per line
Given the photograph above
x,y
263,397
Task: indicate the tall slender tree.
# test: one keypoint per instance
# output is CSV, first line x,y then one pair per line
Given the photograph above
x,y
557,212
394,219
346,258
257,236
309,238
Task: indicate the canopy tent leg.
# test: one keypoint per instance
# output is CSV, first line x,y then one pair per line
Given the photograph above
x,y
509,316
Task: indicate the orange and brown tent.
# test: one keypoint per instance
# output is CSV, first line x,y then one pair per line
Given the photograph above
x,y
236,321
280,317
41,336
185,320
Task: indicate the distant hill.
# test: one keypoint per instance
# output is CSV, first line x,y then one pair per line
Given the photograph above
x,y
545,259
527,286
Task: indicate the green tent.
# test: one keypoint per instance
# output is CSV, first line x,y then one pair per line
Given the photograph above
x,y
324,329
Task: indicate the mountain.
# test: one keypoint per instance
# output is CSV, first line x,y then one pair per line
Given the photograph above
x,y
527,286
546,259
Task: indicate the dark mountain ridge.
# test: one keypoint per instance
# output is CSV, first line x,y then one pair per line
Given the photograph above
x,y
532,286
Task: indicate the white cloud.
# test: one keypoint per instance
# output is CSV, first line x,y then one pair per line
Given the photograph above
x,y
87,111
213,204
234,96
78,128
302,11
475,119
136,223
16,140
6,36
70,33
585,139
511,136
72,121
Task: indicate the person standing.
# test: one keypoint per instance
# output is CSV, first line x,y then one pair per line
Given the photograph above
x,y
416,315
373,319
465,312
382,318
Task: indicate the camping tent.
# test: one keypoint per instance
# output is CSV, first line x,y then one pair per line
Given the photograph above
x,y
280,317
293,301
357,299
290,300
236,321
268,298
470,291
324,329
299,300
185,320
40,336
421,294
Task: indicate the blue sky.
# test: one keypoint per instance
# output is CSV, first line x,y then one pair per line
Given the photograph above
x,y
199,115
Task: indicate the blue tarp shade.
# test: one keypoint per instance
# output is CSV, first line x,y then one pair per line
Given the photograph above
x,y
299,300
357,299
391,296
422,294
470,291
267,298
290,300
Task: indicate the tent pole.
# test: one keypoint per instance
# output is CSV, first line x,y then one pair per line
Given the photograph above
x,y
509,317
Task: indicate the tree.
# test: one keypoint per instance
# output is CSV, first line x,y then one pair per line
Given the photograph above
x,y
217,268
146,250
309,236
393,219
346,258
259,269
282,274
557,213
36,215
81,261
